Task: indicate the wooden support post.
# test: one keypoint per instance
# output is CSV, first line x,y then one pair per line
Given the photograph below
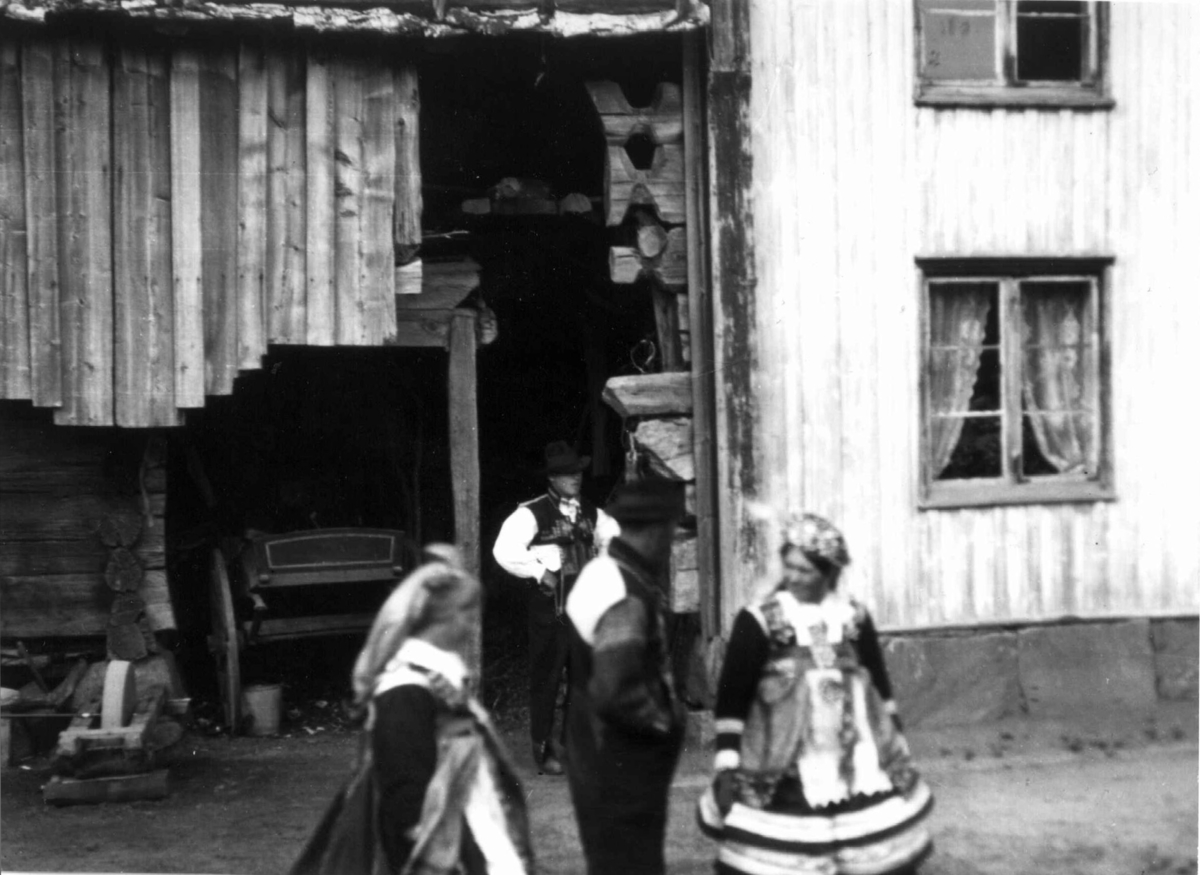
x,y
700,331
464,450
737,414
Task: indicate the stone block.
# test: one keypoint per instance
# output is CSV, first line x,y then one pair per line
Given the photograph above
x,y
947,681
1068,670
1176,658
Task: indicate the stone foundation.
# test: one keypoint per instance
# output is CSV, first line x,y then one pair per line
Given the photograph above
x,y
1052,671
952,680
1176,658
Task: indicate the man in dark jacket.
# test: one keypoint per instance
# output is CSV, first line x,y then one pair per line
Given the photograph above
x,y
626,723
548,541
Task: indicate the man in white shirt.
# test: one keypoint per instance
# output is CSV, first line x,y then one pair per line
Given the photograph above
x,y
547,541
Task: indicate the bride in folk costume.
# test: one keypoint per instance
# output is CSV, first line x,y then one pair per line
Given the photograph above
x,y
812,772
434,790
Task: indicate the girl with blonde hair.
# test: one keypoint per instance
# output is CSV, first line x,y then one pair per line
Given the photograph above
x,y
434,790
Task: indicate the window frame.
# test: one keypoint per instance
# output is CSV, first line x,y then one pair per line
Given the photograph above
x,y
1013,487
1089,93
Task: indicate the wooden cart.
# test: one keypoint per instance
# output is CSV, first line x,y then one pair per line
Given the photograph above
x,y
296,585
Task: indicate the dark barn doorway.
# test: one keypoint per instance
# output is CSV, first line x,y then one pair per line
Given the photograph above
x,y
316,439
515,114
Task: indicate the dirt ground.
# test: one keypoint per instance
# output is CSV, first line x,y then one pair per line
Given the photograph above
x,y
1117,797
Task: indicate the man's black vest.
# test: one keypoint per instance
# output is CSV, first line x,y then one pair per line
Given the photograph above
x,y
577,539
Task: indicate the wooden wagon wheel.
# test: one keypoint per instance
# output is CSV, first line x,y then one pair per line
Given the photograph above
x,y
223,642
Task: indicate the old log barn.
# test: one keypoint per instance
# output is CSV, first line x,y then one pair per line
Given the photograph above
x,y
916,266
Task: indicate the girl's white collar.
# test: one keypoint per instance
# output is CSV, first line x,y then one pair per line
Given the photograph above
x,y
420,653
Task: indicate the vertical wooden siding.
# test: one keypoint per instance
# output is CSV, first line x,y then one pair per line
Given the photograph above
x,y
14,312
851,182
143,306
164,217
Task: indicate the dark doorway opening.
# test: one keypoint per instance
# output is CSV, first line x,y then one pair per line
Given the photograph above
x,y
517,113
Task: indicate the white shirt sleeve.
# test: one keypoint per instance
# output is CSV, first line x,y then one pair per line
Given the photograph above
x,y
514,553
599,587
607,528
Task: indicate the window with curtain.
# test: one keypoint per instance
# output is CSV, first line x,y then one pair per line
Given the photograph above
x,y
1012,53
1015,382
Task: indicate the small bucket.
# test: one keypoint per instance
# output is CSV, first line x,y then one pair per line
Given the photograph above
x,y
7,697
262,703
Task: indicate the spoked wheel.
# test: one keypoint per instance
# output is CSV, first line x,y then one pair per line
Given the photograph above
x,y
223,642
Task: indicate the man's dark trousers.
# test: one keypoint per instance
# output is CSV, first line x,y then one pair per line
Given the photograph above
x,y
549,644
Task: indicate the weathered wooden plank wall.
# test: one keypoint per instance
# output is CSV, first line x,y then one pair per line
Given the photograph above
x,y
14,312
166,215
186,253
286,224
218,203
851,182
59,486
143,305
84,224
41,204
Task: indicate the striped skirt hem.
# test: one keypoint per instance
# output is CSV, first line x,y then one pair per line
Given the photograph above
x,y
888,836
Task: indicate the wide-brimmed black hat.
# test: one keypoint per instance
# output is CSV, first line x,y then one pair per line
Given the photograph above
x,y
647,501
561,458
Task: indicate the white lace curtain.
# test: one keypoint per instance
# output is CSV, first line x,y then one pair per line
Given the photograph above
x,y
1058,366
957,321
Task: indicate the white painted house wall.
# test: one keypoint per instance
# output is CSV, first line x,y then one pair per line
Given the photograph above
x,y
852,181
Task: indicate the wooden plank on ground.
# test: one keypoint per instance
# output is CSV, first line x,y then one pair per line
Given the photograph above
x,y
346,78
14,305
85,242
377,280
649,394
406,216
286,200
41,207
144,319
464,450
186,259
320,229
119,788
218,216
252,205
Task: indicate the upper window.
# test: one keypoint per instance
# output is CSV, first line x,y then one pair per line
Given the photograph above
x,y
1011,53
1015,381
